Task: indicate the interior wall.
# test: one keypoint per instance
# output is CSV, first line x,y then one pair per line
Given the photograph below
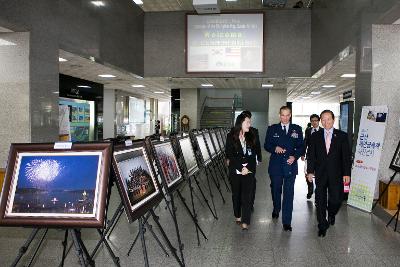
x,y
287,44
337,24
113,34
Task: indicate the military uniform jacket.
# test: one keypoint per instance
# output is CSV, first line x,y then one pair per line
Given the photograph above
x,y
292,142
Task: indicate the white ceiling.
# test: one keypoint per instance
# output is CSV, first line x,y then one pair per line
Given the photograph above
x,y
187,5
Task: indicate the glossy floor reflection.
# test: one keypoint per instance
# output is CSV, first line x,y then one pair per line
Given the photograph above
x,y
357,239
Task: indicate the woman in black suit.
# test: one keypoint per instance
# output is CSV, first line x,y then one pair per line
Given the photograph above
x,y
241,153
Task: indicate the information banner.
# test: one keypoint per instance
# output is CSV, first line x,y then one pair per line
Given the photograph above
x,y
364,174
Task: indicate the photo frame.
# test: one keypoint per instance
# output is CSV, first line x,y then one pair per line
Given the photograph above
x,y
210,145
188,155
52,187
137,184
215,141
395,163
165,156
220,138
203,149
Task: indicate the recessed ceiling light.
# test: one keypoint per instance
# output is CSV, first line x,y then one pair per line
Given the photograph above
x,y
230,0
159,92
60,59
315,93
138,85
98,3
207,85
267,85
84,86
138,2
179,99
306,97
328,86
55,92
107,76
348,75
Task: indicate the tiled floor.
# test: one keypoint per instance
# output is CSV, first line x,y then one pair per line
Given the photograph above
x,y
357,239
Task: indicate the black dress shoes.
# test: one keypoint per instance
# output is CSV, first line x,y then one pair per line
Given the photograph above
x,y
309,196
331,220
275,215
287,228
322,232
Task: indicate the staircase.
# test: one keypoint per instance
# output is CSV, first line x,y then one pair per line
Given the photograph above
x,y
216,117
219,112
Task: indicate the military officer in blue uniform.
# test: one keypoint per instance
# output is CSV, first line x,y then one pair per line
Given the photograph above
x,y
285,143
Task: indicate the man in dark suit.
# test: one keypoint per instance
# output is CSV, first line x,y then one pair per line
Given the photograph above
x,y
254,131
314,120
329,160
285,143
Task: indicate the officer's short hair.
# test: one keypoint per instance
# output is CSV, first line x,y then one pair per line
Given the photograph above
x,y
285,108
314,116
329,112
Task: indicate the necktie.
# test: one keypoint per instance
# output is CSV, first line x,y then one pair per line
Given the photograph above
x,y
327,141
284,128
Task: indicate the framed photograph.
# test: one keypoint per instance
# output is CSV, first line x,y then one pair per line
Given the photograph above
x,y
207,137
137,185
168,163
188,155
56,188
395,164
203,149
220,138
215,141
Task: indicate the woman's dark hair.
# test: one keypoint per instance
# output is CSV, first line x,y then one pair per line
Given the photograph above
x,y
249,136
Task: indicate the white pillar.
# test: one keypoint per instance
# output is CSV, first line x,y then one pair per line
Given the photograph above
x,y
277,99
385,87
109,113
14,92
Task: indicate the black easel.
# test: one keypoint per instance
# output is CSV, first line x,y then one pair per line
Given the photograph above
x,y
80,248
214,213
384,190
211,174
143,224
192,213
395,216
103,233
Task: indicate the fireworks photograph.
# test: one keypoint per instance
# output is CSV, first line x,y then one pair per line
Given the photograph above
x,y
55,184
137,179
188,155
169,165
203,149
